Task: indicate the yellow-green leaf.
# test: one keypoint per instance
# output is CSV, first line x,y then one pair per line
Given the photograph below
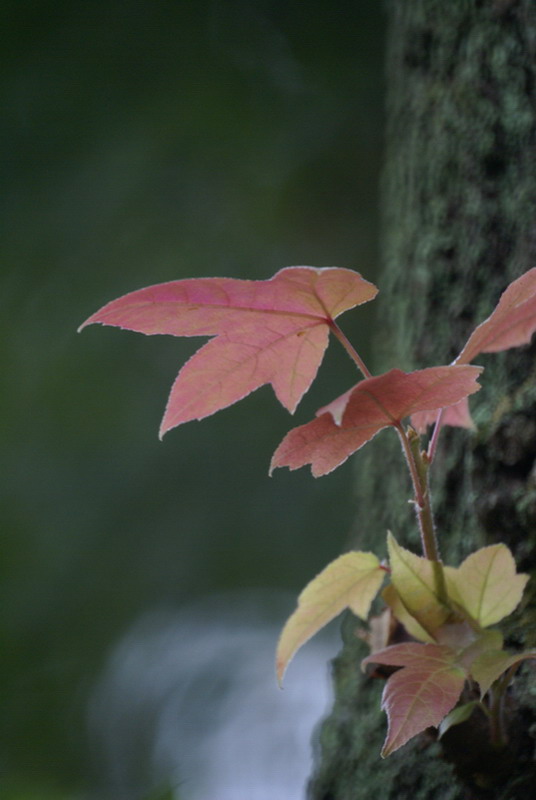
x,y
457,716
414,580
351,581
492,664
484,642
486,584
392,598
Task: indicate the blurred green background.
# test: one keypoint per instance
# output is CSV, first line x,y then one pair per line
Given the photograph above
x,y
145,141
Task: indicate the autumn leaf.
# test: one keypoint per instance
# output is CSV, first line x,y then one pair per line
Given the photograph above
x,y
457,415
428,686
351,581
391,397
414,579
346,424
511,324
274,331
422,693
486,584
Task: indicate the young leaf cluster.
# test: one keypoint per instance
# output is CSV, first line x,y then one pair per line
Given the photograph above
x,y
276,331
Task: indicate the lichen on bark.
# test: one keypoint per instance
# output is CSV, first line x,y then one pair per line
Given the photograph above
x,y
459,223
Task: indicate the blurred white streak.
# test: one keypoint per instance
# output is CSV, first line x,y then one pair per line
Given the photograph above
x,y
189,699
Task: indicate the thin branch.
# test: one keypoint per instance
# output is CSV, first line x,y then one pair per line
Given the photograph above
x,y
418,466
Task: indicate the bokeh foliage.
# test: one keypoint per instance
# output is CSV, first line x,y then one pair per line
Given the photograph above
x,y
141,142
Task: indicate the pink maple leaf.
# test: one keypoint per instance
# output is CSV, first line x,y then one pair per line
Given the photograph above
x,y
422,693
346,424
274,331
511,324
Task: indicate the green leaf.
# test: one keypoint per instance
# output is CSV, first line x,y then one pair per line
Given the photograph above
x,y
414,580
351,581
490,665
486,584
457,716
483,642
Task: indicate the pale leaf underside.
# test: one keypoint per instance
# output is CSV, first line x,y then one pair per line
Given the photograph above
x,y
392,598
351,581
457,416
414,580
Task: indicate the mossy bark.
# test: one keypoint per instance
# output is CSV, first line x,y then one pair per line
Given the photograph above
x,y
459,199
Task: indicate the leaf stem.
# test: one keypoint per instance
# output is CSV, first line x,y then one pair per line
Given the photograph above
x,y
350,349
432,447
496,717
497,696
412,466
418,466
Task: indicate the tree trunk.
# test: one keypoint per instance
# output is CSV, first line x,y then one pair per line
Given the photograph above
x,y
459,200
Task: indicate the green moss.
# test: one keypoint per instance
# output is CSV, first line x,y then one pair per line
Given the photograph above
x,y
459,224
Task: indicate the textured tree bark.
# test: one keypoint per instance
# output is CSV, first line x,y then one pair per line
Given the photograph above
x,y
459,199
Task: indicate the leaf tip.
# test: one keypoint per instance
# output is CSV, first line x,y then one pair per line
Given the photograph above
x,y
163,430
281,664
91,320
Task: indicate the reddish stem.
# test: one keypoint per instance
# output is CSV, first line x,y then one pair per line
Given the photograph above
x,y
432,447
352,352
418,467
